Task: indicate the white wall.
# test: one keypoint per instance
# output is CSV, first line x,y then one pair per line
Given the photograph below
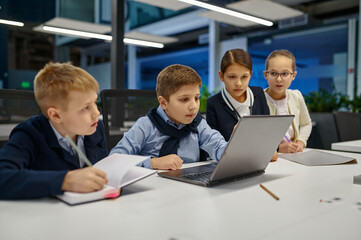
x,y
233,43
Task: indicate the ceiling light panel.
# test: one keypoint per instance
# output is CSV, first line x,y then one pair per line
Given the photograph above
x,y
229,12
78,25
168,4
73,28
77,33
150,37
220,17
13,23
142,43
265,9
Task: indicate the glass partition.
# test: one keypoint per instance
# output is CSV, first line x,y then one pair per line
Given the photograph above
x,y
321,57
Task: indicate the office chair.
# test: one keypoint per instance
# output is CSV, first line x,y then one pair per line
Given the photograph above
x,y
121,108
348,125
15,107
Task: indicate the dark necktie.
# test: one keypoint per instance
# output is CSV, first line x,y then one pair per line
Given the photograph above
x,y
170,146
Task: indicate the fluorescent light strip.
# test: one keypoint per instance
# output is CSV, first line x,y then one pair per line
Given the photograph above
x,y
143,43
14,23
228,12
100,36
77,33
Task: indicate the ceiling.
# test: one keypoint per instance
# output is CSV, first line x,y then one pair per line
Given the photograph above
x,y
319,12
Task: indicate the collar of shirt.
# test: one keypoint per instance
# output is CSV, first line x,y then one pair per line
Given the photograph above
x,y
63,142
241,108
165,117
282,109
277,102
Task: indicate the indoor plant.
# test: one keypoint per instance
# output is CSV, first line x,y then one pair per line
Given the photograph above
x,y
321,106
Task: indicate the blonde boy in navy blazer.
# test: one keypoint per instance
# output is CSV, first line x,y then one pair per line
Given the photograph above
x,y
38,161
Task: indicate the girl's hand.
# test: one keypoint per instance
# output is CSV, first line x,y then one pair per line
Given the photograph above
x,y
289,147
274,157
301,146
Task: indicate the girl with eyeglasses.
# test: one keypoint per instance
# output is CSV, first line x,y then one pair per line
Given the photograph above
x,y
280,72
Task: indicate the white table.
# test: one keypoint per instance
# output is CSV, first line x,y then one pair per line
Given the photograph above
x,y
159,208
349,146
5,130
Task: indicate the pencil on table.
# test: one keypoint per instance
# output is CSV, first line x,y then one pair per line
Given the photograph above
x,y
269,192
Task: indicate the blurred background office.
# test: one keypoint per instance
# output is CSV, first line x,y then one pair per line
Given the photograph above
x,y
324,36
321,34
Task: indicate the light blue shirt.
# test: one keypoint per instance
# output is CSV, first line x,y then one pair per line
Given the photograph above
x,y
146,140
63,142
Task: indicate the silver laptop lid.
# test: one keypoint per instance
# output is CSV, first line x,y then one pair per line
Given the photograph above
x,y
252,145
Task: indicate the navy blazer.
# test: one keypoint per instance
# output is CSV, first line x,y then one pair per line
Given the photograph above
x,y
223,119
33,164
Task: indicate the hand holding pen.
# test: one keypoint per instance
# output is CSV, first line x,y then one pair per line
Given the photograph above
x,y
83,180
289,147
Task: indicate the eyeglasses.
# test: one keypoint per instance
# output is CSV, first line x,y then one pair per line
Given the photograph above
x,y
284,75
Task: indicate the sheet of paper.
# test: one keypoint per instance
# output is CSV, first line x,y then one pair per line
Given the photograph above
x,y
317,158
117,165
135,174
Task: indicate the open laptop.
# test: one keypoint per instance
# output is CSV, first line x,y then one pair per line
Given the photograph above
x,y
248,153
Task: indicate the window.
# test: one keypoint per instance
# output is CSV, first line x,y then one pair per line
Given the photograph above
x,y
321,57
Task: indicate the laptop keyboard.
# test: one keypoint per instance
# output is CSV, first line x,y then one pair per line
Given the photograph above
x,y
198,176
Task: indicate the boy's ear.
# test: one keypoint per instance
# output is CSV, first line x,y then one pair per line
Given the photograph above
x,y
294,75
53,114
220,76
162,102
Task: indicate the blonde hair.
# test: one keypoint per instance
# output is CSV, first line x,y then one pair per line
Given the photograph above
x,y
282,52
173,77
53,83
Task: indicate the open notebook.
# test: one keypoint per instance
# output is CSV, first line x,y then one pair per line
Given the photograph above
x,y
121,171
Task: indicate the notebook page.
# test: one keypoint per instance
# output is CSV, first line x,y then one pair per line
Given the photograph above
x,y
117,165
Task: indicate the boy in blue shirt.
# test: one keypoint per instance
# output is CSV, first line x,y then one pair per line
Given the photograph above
x,y
38,161
173,133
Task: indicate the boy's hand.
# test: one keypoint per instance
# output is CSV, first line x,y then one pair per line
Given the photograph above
x,y
84,180
234,128
169,162
274,157
289,147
